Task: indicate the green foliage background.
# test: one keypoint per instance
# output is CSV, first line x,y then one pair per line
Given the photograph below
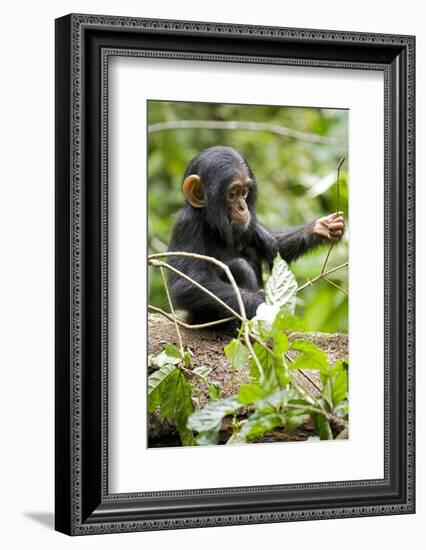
x,y
296,180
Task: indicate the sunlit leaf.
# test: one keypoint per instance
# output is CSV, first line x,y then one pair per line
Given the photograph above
x,y
323,427
310,356
339,384
286,321
249,393
171,355
210,417
236,353
155,381
256,425
281,287
202,371
214,389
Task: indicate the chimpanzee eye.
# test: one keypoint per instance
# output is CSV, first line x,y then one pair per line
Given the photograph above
x,y
232,194
245,192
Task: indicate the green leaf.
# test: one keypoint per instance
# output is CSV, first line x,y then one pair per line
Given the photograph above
x,y
286,321
169,389
202,371
280,343
295,419
169,395
264,359
187,359
249,393
183,410
170,356
310,356
155,381
173,351
207,438
281,287
281,371
236,353
323,427
214,389
210,417
256,425
339,384
274,401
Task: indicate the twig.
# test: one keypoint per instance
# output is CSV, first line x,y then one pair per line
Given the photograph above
x,y
159,263
309,379
337,286
187,325
244,125
342,160
321,276
327,257
173,312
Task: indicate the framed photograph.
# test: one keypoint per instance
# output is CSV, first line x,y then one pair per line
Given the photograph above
x,y
234,274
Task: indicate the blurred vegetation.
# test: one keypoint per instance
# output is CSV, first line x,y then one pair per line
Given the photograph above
x,y
296,179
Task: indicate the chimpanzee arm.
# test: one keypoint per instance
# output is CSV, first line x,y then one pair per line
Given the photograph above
x,y
290,243
296,241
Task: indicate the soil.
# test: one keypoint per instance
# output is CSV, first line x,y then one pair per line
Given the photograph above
x,y
207,349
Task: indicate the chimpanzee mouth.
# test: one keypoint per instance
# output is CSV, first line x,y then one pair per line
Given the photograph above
x,y
241,224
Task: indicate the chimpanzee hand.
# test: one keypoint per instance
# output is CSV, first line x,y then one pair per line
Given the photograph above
x,y
330,227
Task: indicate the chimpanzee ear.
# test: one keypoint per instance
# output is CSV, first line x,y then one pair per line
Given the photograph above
x,y
194,191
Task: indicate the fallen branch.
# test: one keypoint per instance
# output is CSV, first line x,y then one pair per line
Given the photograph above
x,y
242,125
321,276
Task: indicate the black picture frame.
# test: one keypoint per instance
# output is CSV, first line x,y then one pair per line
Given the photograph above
x,y
83,46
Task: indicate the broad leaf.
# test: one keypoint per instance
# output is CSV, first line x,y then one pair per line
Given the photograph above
x,y
256,425
339,384
210,417
168,389
323,427
249,393
170,356
202,371
281,287
214,389
280,343
184,409
295,419
311,357
286,321
155,381
274,401
207,438
264,359
169,395
237,354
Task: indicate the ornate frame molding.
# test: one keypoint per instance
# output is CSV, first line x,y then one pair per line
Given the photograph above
x,y
85,507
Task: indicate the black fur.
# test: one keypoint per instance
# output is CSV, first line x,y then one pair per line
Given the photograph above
x,y
209,231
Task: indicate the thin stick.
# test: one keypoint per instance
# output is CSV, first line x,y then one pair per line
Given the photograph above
x,y
159,263
244,125
187,325
152,259
173,312
337,286
321,276
342,160
327,257
213,261
309,379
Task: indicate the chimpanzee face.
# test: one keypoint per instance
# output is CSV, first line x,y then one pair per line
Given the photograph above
x,y
235,199
221,186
